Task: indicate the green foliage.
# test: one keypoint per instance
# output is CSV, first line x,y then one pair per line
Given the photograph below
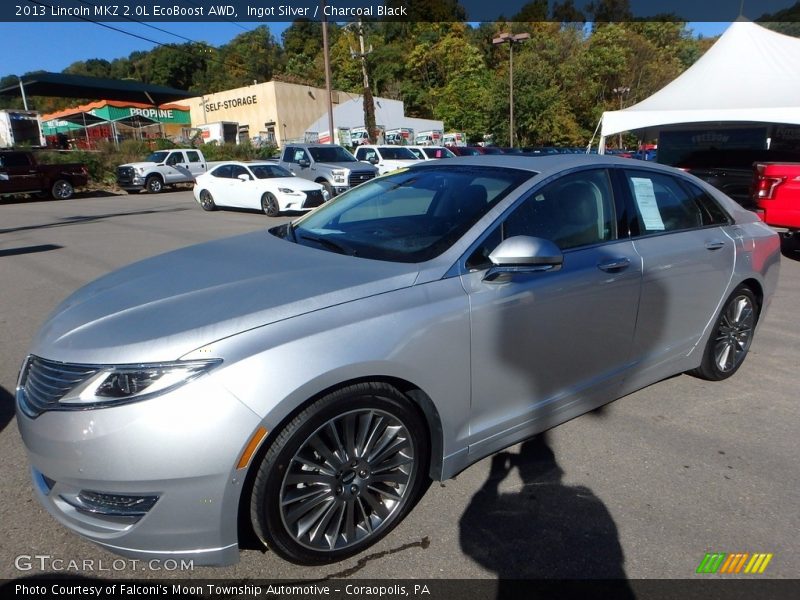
x,y
438,65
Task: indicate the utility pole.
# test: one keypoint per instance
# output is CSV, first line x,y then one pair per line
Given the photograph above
x,y
326,54
369,104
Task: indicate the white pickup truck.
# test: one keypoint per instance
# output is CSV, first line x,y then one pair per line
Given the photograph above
x,y
161,168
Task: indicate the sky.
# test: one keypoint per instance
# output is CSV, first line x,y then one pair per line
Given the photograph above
x,y
54,46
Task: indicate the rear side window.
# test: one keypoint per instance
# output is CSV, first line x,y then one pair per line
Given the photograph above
x,y
712,213
224,171
194,157
14,160
662,204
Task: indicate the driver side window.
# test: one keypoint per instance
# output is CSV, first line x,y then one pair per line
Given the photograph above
x,y
573,211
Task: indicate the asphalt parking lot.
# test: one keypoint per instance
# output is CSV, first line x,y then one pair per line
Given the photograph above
x,y
640,489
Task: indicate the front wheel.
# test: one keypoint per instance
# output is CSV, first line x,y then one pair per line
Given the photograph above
x,y
328,188
154,184
62,190
731,337
270,206
341,474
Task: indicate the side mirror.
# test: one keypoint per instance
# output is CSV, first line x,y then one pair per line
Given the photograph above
x,y
244,177
373,160
304,162
523,254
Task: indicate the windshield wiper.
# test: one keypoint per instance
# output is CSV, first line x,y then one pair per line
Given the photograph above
x,y
330,244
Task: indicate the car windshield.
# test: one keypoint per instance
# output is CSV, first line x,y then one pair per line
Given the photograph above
x,y
411,216
434,152
396,153
269,171
331,154
157,157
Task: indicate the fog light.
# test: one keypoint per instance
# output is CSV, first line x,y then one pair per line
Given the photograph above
x,y
117,505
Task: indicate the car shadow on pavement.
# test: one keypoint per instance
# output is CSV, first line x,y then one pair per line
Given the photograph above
x,y
544,531
6,408
790,247
79,219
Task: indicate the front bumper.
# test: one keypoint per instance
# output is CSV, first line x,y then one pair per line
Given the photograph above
x,y
180,448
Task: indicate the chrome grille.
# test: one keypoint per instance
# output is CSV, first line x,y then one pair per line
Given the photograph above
x,y
313,199
44,382
125,174
359,177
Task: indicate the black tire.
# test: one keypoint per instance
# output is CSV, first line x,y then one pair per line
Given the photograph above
x,y
358,498
61,189
207,201
328,188
270,206
154,184
731,336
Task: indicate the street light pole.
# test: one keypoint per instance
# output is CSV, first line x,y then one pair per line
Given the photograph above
x,y
511,39
621,91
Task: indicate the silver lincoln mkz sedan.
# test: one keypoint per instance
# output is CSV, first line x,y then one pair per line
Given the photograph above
x,y
309,380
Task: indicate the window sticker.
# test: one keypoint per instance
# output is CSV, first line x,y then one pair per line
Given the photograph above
x,y
646,201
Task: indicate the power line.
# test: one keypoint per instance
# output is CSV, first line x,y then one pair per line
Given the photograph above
x,y
146,39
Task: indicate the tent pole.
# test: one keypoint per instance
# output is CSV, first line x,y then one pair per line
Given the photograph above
x,y
22,90
86,131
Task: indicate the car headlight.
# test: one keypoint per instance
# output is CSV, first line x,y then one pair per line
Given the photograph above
x,y
131,383
288,191
339,175
140,170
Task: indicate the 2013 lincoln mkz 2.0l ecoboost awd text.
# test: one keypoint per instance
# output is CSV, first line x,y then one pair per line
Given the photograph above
x,y
309,380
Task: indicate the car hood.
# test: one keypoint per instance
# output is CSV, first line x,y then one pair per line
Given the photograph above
x,y
297,183
161,308
144,164
353,166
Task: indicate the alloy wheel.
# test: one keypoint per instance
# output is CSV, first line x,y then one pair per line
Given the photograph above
x,y
347,479
734,334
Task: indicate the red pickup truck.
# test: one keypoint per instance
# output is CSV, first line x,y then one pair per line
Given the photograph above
x,y
776,191
21,173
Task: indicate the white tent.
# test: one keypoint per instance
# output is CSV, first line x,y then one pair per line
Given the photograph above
x,y
751,74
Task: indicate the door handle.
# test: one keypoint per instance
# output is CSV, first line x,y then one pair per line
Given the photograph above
x,y
615,264
714,245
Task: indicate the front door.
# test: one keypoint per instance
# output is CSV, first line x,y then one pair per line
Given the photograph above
x,y
549,345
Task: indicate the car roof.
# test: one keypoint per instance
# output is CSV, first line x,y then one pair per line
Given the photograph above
x,y
307,145
545,165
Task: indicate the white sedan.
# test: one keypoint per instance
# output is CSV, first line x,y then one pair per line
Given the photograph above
x,y
262,186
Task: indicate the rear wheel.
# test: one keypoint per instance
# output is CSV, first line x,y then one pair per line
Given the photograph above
x,y
731,337
341,474
154,184
207,200
62,189
270,206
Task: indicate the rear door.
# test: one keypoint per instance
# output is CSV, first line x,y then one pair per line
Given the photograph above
x,y
195,162
687,261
